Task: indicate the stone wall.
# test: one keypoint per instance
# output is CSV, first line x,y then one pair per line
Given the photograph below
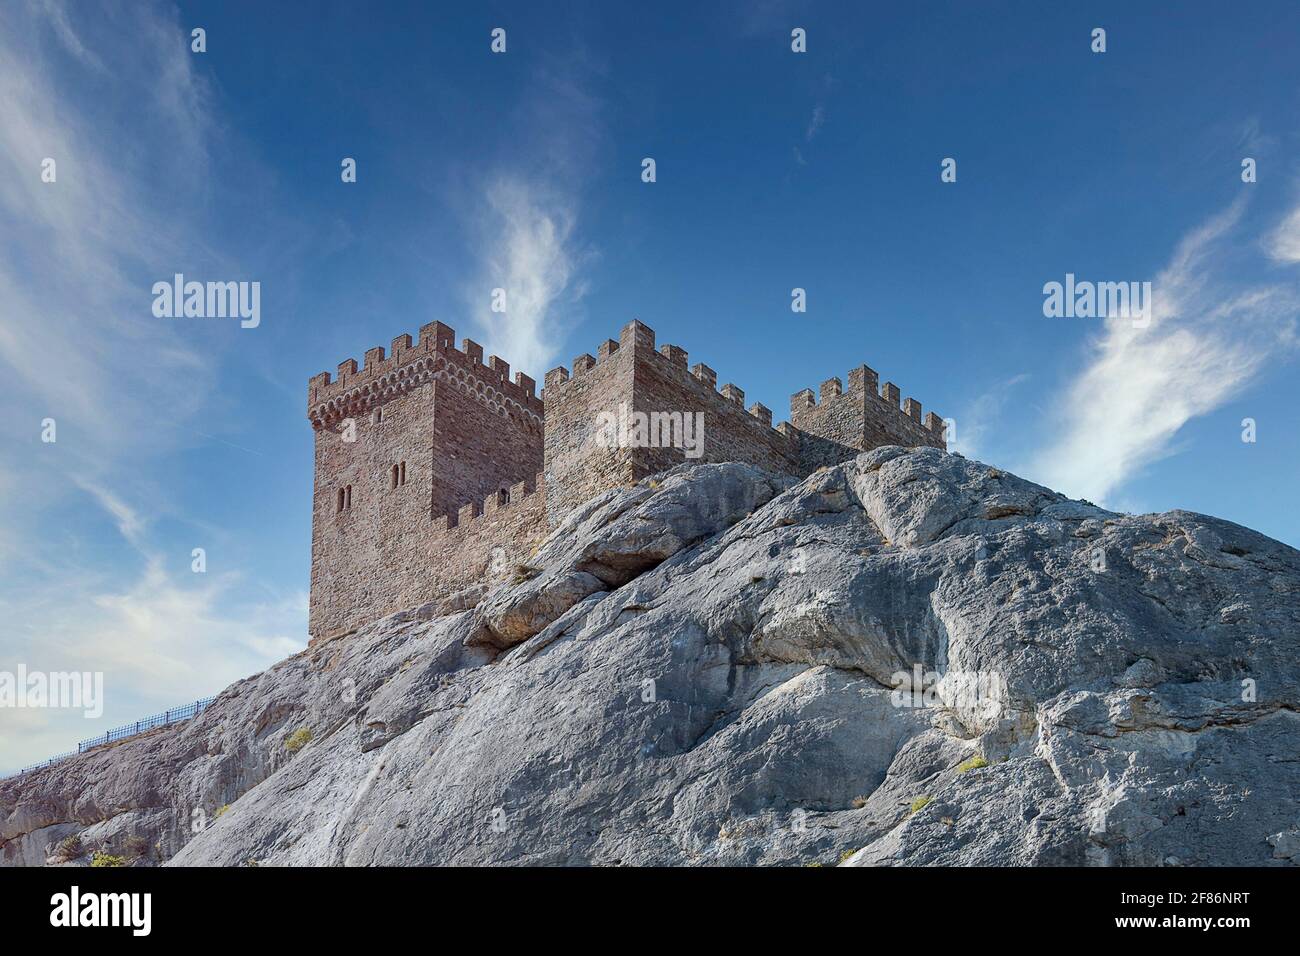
x,y
846,423
477,450
629,376
378,527
488,540
577,468
663,384
425,560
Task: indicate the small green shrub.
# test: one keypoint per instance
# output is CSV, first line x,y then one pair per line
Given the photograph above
x,y
846,854
297,740
105,859
974,763
69,848
918,804
523,572
225,806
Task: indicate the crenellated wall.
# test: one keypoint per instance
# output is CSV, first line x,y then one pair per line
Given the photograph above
x,y
576,469
381,375
631,374
845,423
487,540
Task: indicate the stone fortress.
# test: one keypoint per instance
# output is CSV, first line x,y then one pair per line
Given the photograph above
x,y
434,470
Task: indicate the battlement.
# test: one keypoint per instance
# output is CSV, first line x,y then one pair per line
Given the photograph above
x,y
559,376
466,518
864,384
408,365
837,423
688,417
639,338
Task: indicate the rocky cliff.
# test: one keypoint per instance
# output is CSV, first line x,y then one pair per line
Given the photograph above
x,y
909,659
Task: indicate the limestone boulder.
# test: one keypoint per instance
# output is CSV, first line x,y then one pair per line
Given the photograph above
x,y
909,659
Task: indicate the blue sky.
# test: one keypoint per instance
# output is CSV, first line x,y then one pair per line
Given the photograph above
x,y
775,170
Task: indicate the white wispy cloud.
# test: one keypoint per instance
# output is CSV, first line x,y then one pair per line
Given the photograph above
x,y
525,223
73,304
158,641
532,257
1207,339
161,636
177,639
78,343
116,101
130,524
815,123
1283,243
57,17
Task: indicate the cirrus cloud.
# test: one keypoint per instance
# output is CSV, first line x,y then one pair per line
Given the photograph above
x,y
1208,337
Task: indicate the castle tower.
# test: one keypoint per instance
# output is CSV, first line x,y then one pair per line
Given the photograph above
x,y
629,383
846,423
401,443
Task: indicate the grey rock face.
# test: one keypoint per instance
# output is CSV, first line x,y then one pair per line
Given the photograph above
x,y
909,659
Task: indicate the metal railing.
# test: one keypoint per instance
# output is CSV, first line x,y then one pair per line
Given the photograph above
x,y
173,716
43,763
